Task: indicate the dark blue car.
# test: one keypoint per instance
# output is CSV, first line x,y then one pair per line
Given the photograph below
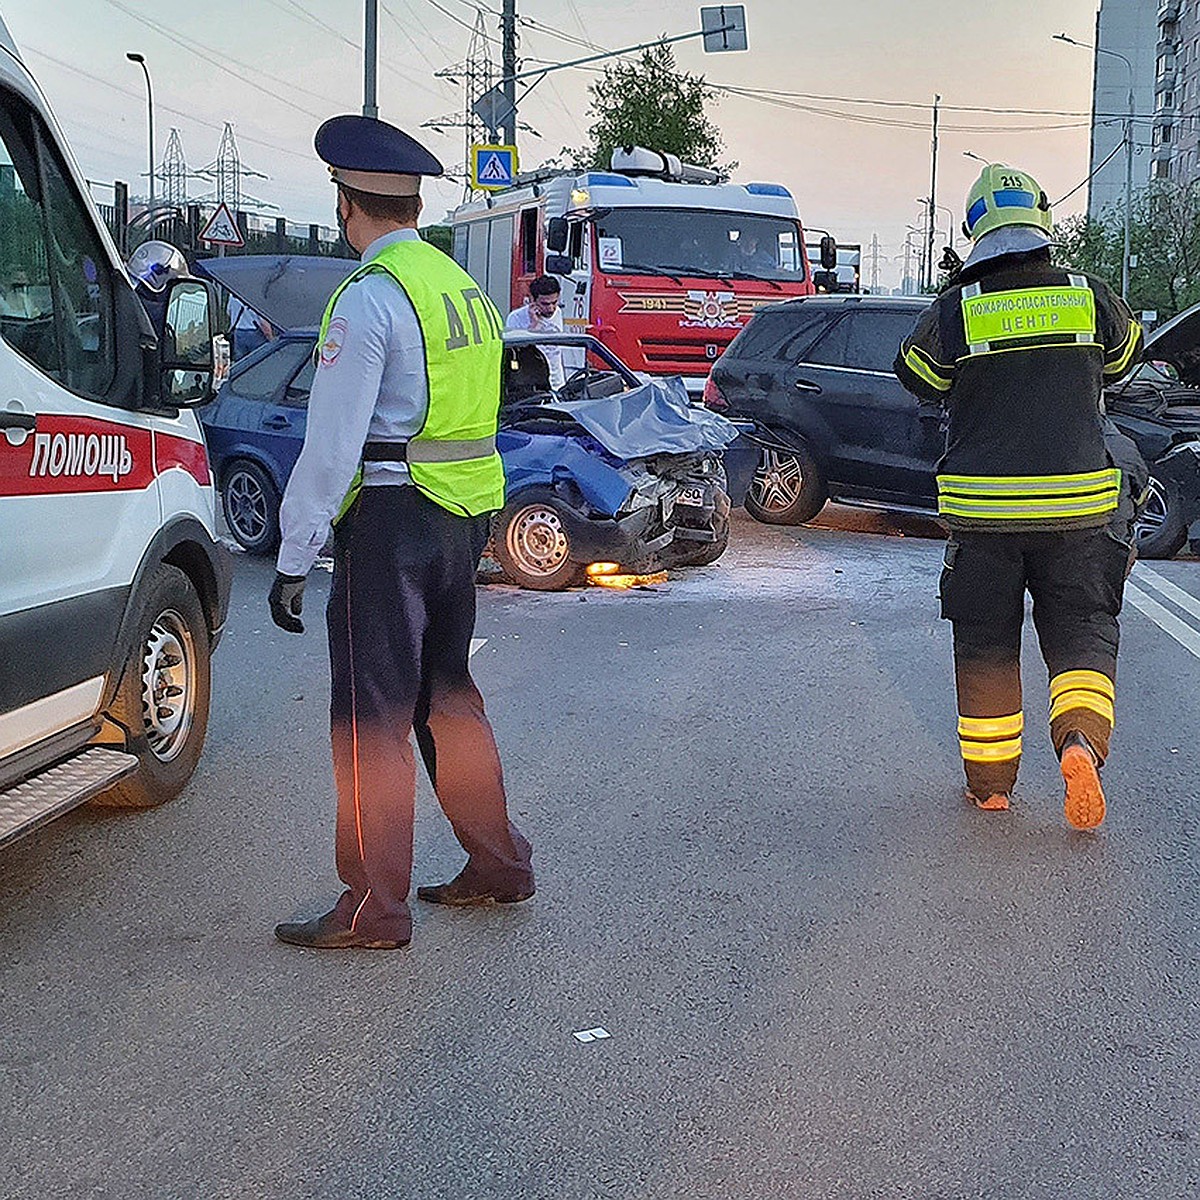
x,y
611,469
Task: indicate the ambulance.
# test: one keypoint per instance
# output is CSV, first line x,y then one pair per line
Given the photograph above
x,y
662,261
113,586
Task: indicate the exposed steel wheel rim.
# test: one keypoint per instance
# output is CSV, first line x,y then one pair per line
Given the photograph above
x,y
778,482
169,671
246,505
536,541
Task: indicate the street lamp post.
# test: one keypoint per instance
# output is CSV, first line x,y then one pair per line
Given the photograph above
x,y
141,61
1062,37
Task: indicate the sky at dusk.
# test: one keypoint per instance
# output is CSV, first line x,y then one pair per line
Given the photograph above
x,y
856,169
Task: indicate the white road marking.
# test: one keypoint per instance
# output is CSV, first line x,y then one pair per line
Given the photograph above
x,y
1166,620
477,644
592,1035
1165,587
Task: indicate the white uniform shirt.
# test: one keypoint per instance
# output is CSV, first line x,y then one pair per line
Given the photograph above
x,y
524,318
370,385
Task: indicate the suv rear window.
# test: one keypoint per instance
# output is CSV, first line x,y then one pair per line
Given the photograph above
x,y
780,333
875,336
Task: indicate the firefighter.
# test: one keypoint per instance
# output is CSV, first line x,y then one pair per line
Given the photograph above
x,y
1018,353
400,451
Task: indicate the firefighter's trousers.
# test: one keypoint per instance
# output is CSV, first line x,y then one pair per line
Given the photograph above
x,y
1076,579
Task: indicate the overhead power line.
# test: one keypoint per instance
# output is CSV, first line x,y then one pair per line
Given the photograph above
x,y
1092,176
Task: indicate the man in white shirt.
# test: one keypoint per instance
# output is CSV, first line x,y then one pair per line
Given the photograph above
x,y
542,313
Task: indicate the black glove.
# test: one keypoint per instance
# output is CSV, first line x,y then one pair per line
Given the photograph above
x,y
287,602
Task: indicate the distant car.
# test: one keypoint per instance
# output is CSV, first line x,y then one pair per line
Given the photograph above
x,y
815,375
634,478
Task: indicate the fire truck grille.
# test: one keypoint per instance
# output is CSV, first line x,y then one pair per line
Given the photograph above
x,y
690,357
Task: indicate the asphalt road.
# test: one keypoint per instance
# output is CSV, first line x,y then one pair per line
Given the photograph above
x,y
823,975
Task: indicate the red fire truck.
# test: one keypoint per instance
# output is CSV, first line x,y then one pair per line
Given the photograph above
x,y
663,262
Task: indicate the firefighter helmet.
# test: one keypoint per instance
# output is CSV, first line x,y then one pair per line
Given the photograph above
x,y
1004,196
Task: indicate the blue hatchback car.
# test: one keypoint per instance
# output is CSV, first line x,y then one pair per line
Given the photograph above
x,y
611,469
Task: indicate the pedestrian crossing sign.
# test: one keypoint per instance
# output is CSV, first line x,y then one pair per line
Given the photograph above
x,y
493,168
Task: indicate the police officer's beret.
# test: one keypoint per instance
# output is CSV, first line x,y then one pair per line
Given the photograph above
x,y
373,156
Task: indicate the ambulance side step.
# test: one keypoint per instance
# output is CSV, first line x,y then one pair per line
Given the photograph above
x,y
59,788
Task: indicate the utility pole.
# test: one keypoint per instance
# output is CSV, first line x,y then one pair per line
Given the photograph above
x,y
370,59
875,264
931,229
509,67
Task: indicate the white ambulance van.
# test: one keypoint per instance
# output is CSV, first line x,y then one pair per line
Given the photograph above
x,y
113,587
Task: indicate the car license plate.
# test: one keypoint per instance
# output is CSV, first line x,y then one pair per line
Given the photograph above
x,y
691,497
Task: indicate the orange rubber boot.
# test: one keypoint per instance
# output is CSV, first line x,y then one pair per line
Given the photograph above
x,y
1084,801
997,802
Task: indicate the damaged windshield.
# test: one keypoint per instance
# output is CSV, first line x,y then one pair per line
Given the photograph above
x,y
677,241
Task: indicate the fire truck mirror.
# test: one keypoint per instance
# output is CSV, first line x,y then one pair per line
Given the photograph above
x,y
559,264
829,249
557,235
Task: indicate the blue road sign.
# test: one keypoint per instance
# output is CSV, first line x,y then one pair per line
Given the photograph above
x,y
493,168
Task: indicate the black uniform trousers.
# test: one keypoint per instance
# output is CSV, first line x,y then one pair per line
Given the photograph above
x,y
401,615
1076,579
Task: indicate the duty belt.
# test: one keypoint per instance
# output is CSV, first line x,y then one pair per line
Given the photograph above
x,y
421,451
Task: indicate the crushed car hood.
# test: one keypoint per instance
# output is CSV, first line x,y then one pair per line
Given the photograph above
x,y
290,290
655,418
1178,343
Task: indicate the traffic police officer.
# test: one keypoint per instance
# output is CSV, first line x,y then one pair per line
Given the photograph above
x,y
400,452
1018,353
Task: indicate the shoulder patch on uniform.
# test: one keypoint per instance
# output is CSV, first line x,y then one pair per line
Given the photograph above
x,y
335,336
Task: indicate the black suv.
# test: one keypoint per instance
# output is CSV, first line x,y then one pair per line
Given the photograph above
x,y
815,375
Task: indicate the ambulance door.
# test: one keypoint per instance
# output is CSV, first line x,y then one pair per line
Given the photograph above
x,y
78,497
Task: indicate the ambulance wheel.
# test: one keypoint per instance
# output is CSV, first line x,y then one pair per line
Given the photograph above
x,y
533,547
162,699
787,488
1160,531
250,502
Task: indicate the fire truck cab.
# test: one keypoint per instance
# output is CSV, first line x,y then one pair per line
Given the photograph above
x,y
662,261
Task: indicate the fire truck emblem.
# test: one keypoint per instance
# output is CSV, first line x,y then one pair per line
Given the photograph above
x,y
710,310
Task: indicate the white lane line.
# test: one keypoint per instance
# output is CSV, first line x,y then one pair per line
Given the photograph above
x,y
1165,587
1166,620
477,644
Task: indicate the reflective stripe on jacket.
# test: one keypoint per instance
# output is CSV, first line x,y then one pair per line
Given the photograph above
x,y
453,459
1018,352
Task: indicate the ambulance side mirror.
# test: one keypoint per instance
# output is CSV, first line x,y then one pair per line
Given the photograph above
x,y
829,251
195,357
558,233
559,264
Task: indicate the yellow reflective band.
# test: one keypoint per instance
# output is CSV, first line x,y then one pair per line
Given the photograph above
x,y
918,367
1030,485
991,752
1028,312
984,728
1072,701
1092,681
1127,351
1029,510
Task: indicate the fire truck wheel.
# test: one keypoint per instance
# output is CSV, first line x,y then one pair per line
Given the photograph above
x,y
532,545
787,488
162,699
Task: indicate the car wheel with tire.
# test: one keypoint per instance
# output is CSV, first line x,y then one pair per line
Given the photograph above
x,y
163,697
250,502
1160,531
532,544
787,488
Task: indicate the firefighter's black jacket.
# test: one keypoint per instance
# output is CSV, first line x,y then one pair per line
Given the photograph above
x,y
1018,352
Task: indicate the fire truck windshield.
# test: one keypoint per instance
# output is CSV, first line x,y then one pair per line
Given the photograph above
x,y
699,242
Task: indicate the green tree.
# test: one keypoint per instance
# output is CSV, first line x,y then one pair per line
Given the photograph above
x,y
651,103
1164,237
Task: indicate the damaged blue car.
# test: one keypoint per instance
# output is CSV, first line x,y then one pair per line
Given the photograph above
x,y
609,468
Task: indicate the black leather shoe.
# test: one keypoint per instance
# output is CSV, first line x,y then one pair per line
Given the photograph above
x,y
323,933
464,891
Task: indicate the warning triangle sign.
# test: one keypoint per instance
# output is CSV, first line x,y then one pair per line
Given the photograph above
x,y
494,170
222,229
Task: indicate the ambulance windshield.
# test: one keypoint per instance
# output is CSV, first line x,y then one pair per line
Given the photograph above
x,y
699,242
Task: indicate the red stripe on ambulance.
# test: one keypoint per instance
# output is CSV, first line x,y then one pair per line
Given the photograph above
x,y
68,454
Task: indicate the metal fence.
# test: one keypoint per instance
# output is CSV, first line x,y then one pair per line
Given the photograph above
x,y
181,225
